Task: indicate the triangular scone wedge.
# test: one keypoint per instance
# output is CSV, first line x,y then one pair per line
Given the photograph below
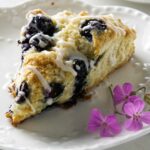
x,y
64,55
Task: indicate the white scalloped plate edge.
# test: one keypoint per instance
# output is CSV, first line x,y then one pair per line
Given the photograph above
x,y
115,9
140,1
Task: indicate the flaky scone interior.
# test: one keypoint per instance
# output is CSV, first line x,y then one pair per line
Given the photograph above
x,y
65,55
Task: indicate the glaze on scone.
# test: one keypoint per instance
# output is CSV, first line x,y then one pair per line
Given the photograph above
x,y
64,55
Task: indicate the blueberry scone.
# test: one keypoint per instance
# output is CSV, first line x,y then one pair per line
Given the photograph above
x,y
65,55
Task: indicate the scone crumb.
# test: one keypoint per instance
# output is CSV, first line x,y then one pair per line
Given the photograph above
x,y
83,13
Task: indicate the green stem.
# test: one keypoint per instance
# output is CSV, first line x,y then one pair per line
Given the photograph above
x,y
142,88
119,113
115,108
111,92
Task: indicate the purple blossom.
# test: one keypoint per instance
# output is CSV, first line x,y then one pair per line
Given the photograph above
x,y
107,126
124,93
135,115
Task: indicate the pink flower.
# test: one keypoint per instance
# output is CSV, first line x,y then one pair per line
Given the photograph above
x,y
107,126
124,93
135,115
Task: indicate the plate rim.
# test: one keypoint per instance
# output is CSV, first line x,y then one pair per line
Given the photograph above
x,y
140,2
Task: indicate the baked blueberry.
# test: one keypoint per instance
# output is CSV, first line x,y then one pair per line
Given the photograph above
x,y
38,33
42,24
22,92
20,99
56,90
80,67
25,47
99,59
89,25
31,30
41,41
70,103
24,88
24,44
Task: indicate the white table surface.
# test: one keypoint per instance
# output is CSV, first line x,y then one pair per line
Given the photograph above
x,y
141,143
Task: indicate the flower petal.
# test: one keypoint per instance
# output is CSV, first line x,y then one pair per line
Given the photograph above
x,y
133,98
111,119
128,123
113,125
105,132
96,113
95,120
146,117
118,94
115,129
139,105
129,109
127,88
133,125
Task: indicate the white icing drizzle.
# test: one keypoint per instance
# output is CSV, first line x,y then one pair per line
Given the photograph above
x,y
29,103
40,77
46,52
62,48
117,29
21,93
80,56
67,66
68,48
92,62
39,36
43,82
49,101
60,63
109,24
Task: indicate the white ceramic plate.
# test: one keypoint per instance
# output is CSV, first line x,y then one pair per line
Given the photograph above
x,y
140,1
58,129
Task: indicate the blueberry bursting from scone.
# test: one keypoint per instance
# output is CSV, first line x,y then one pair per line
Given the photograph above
x,y
64,56
38,34
92,24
